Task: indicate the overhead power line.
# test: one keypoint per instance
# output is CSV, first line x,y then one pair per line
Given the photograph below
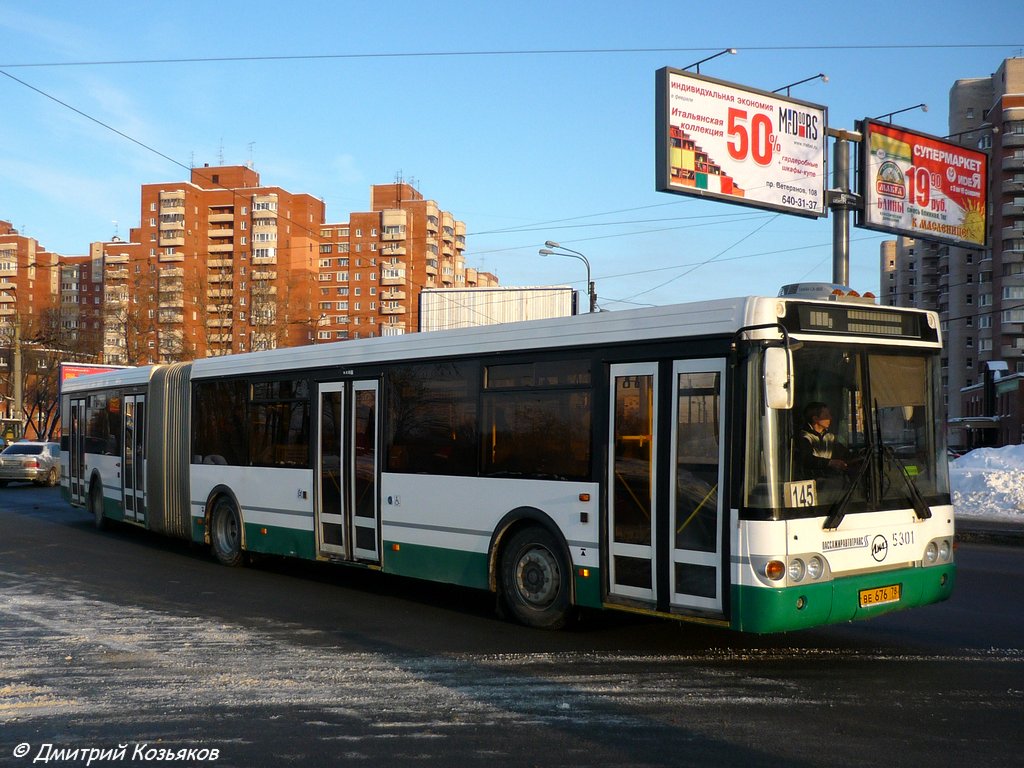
x,y
523,52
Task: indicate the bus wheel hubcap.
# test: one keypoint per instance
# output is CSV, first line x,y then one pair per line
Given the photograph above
x,y
537,577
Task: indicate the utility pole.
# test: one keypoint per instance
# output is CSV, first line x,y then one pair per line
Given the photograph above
x,y
17,409
842,200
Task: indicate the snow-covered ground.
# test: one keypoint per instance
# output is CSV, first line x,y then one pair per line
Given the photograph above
x,y
988,484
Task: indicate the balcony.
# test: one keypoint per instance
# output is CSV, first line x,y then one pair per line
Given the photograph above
x,y
221,277
1013,140
220,293
1013,164
221,338
115,274
431,265
394,280
7,299
167,258
399,310
221,247
264,260
115,258
219,322
1013,209
172,240
1013,185
392,295
220,232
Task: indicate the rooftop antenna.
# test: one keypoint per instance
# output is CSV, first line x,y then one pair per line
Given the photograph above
x,y
251,145
114,222
220,152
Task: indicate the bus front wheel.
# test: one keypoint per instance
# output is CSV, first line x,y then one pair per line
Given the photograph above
x,y
226,533
535,579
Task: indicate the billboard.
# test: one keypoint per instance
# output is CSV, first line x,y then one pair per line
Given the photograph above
x,y
740,145
921,186
74,370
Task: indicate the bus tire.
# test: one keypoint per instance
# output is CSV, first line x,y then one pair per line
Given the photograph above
x,y
226,533
535,579
96,506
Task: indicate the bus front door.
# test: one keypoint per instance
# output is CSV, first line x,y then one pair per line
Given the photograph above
x,y
133,458
696,475
665,536
632,501
76,453
347,508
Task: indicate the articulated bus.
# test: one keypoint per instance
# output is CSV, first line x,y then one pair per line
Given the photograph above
x,y
642,460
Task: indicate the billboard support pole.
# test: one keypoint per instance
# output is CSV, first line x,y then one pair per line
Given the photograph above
x,y
841,200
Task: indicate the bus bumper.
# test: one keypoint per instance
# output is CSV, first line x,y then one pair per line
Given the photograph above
x,y
758,609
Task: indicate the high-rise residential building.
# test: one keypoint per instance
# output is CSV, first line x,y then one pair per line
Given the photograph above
x,y
979,293
29,313
81,305
29,285
373,266
219,264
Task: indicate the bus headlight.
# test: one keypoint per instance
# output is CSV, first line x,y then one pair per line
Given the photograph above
x,y
815,567
945,550
931,553
797,570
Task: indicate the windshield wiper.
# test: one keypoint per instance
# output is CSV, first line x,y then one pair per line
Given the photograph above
x,y
921,508
837,511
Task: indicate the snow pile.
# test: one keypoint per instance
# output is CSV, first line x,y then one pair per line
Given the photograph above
x,y
988,483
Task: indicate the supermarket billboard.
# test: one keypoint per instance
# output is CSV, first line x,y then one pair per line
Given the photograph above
x,y
921,186
736,144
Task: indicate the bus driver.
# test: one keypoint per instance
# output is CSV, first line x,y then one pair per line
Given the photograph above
x,y
817,453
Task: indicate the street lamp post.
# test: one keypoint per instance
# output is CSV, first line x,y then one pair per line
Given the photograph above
x,y
709,58
820,76
573,255
923,107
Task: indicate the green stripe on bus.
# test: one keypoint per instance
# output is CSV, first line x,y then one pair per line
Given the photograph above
x,y
273,540
452,566
757,609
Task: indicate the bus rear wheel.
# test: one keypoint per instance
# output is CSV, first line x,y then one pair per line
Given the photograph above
x,y
226,533
535,579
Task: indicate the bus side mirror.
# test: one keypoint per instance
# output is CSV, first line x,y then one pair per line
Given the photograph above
x,y
778,378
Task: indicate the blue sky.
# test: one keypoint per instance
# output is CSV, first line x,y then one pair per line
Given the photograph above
x,y
523,146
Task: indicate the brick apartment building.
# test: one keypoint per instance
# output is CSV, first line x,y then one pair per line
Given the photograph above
x,y
373,266
221,264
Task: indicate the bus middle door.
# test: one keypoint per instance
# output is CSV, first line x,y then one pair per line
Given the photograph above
x,y
347,508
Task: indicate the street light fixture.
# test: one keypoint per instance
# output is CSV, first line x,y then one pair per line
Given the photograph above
x,y
709,58
572,255
983,128
820,76
923,107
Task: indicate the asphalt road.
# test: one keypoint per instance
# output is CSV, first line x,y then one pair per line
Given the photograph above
x,y
123,638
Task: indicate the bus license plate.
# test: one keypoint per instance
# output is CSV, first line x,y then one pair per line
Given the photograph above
x,y
880,595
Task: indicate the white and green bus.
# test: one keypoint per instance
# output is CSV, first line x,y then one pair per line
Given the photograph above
x,y
641,460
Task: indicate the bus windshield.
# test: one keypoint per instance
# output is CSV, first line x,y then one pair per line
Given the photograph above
x,y
864,434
